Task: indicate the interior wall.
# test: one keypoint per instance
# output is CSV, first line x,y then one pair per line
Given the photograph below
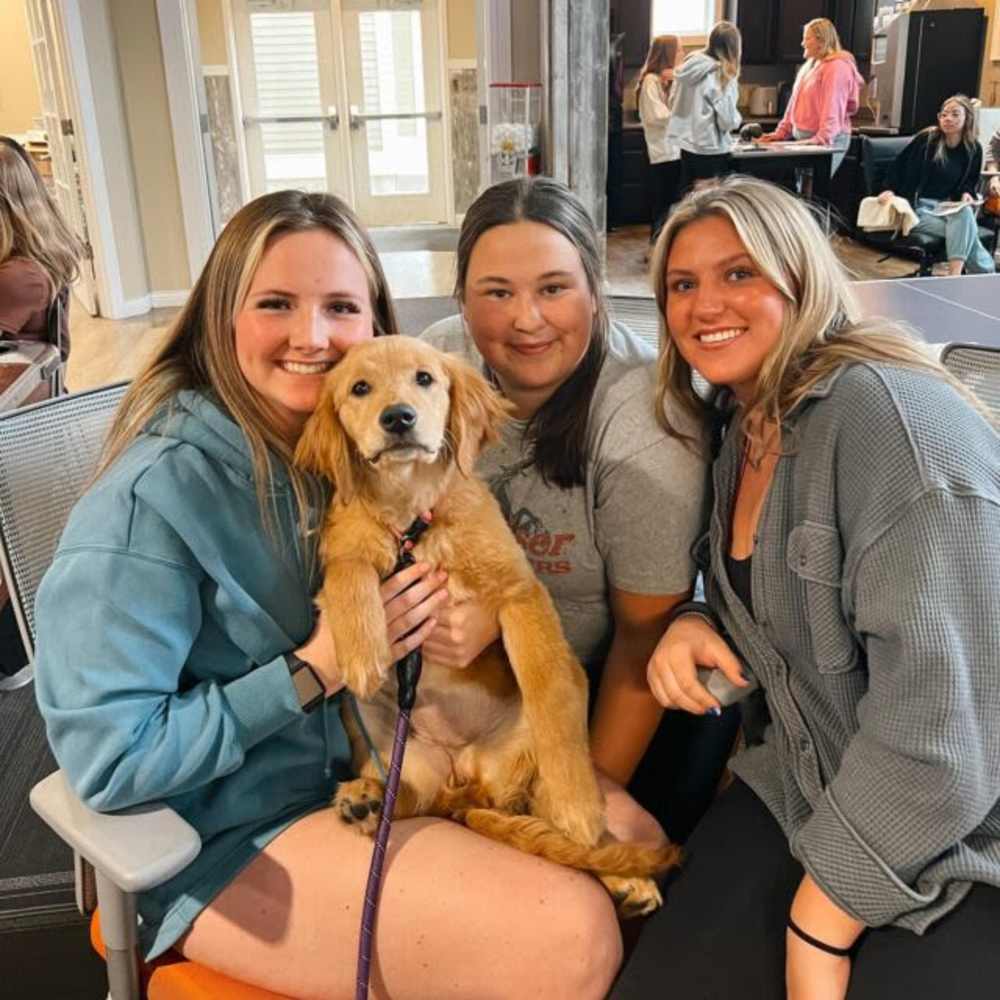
x,y
461,19
989,80
19,100
211,33
147,113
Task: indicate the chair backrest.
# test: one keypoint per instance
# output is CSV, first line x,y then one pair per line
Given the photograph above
x,y
640,315
876,155
48,452
978,367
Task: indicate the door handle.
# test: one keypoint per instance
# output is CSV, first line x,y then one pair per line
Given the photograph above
x,y
332,119
358,118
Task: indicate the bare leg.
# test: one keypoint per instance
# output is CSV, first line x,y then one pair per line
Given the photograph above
x,y
626,819
456,909
955,267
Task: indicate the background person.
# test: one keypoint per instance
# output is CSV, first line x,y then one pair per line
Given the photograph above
x,y
182,584
874,800
825,94
703,106
652,94
604,502
942,164
38,252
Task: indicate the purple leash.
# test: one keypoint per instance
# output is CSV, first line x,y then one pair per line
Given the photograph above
x,y
407,676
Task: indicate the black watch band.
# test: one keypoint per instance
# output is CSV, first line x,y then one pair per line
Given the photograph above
x,y
307,684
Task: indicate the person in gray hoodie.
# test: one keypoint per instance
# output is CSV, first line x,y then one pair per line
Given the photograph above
x,y
703,106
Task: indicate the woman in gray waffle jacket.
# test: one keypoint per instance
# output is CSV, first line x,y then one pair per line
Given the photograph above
x,y
852,572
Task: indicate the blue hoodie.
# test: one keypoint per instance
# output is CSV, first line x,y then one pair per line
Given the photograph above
x,y
162,625
703,111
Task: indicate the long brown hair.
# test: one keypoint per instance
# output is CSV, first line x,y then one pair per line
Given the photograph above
x,y
30,224
662,55
200,350
822,327
558,430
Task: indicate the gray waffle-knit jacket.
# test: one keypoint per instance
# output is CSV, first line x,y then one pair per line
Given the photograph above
x,y
876,593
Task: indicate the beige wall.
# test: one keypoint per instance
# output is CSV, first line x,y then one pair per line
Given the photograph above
x,y
989,82
19,101
137,40
212,33
462,29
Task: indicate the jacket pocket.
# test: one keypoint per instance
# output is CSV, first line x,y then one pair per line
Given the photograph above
x,y
815,556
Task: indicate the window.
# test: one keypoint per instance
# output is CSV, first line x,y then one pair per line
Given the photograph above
x,y
687,18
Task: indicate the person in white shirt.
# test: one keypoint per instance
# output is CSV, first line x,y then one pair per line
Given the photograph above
x,y
652,91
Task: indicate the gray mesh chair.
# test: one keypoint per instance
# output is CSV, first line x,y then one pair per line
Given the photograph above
x,y
48,453
978,367
640,315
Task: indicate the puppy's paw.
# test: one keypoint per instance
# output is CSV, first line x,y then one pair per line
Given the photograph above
x,y
359,804
634,897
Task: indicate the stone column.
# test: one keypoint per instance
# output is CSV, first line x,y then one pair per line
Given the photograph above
x,y
577,121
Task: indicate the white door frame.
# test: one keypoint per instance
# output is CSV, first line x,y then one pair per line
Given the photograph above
x,y
182,69
68,19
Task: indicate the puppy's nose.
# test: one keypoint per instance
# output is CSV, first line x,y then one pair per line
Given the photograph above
x,y
398,418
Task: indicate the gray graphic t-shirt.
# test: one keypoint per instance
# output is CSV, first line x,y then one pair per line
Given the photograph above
x,y
630,525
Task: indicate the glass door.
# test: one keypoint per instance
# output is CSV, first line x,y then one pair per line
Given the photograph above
x,y
289,75
393,63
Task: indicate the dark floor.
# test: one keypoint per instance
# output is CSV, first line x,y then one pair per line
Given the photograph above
x,y
51,963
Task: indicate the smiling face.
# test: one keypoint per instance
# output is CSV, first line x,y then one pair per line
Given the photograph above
x,y
308,302
724,316
811,45
529,309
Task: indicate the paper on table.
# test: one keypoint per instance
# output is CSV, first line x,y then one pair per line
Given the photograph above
x,y
951,207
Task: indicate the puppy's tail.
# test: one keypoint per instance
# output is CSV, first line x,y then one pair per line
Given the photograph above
x,y
535,836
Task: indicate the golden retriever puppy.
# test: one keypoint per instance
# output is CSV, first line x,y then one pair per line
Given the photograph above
x,y
502,745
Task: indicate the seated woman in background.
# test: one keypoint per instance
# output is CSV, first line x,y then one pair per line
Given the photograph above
x,y
993,161
852,568
652,91
605,504
703,110
942,164
825,94
179,660
38,253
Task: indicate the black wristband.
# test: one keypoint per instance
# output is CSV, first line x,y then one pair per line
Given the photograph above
x,y
816,943
306,682
693,608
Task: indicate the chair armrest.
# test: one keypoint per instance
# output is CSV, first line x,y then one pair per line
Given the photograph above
x,y
136,848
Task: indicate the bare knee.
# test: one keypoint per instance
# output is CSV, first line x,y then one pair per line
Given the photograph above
x,y
585,944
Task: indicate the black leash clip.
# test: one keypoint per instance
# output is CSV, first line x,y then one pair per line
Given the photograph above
x,y
409,667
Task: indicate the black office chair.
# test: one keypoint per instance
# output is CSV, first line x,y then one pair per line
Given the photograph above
x,y
876,156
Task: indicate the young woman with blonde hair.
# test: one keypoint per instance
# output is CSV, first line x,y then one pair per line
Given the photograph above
x,y
857,852
703,105
943,163
825,95
179,659
38,252
652,90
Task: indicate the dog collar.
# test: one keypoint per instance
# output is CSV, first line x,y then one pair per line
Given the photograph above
x,y
407,540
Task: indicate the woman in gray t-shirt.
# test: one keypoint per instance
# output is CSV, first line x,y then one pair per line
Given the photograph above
x,y
605,503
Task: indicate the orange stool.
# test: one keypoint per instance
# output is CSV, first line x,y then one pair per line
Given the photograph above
x,y
173,977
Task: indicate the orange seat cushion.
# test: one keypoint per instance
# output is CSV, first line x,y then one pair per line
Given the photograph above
x,y
173,977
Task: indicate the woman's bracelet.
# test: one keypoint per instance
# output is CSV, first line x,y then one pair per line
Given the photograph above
x,y
816,943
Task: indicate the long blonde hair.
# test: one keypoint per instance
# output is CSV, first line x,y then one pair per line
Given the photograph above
x,y
825,32
200,350
724,45
822,328
30,224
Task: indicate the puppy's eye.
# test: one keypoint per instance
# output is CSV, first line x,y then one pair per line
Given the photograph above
x,y
360,388
425,378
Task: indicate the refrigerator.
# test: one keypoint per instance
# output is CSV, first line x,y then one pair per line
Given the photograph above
x,y
921,57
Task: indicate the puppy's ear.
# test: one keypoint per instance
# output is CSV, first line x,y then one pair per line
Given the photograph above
x,y
476,414
324,448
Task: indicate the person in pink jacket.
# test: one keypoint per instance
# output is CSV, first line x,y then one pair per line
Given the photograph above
x,y
825,94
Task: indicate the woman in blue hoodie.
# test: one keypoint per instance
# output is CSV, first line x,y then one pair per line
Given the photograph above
x,y
703,112
179,658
